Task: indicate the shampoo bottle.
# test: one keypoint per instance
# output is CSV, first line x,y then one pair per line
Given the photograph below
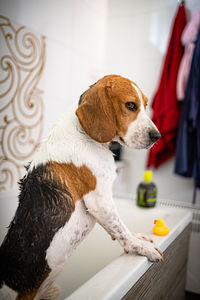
x,y
147,191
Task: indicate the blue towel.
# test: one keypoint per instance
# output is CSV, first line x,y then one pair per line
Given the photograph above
x,y
187,161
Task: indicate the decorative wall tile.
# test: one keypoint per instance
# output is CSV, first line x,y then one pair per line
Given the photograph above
x,y
22,59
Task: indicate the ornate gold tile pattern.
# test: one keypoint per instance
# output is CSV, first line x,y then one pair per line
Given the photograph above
x,y
22,60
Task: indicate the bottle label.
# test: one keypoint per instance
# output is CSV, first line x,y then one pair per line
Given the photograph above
x,y
151,196
141,197
151,200
147,195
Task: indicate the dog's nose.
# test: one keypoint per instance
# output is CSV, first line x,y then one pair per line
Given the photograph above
x,y
154,135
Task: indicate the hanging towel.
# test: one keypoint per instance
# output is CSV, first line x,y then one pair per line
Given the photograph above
x,y
166,109
188,40
188,145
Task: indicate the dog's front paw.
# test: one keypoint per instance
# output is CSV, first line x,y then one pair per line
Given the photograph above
x,y
150,251
147,249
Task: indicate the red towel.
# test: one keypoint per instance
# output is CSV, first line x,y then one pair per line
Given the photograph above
x,y
166,109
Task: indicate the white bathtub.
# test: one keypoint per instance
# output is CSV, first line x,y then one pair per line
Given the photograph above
x,y
97,270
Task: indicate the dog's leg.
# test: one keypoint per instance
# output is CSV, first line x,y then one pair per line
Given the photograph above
x,y
143,236
105,212
50,292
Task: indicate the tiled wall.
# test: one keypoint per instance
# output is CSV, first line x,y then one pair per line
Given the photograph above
x,y
75,36
87,39
75,33
137,37
22,57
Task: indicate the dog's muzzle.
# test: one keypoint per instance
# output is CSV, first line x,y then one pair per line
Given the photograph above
x,y
154,135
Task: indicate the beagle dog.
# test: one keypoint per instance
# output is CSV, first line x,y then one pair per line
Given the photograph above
x,y
68,188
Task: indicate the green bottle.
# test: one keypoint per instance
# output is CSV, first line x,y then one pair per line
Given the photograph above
x,y
147,191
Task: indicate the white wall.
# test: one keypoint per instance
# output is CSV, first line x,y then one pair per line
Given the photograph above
x,y
87,39
75,33
137,37
75,36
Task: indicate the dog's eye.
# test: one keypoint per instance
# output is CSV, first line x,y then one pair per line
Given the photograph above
x,y
131,106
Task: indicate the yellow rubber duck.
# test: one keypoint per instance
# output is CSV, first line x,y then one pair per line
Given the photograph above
x,y
160,228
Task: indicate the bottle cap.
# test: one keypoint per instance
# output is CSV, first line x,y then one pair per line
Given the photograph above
x,y
148,176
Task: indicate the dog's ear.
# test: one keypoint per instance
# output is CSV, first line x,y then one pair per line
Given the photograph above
x,y
96,114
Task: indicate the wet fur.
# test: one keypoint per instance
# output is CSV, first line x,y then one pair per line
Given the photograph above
x,y
45,205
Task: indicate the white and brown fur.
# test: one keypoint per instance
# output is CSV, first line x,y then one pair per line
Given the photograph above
x,y
68,188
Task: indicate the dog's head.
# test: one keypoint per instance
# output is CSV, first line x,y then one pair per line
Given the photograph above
x,y
114,109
